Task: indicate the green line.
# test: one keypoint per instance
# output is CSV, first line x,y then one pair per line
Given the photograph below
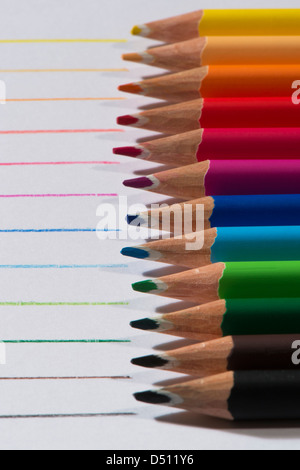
x,y
56,304
57,341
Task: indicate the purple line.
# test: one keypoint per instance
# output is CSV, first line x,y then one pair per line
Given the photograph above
x,y
56,195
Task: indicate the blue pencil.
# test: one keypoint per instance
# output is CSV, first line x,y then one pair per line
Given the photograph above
x,y
227,211
223,244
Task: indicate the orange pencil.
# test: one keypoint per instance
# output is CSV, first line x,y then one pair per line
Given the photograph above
x,y
218,81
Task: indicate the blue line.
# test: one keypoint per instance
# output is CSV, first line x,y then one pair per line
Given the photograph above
x,y
57,230
61,266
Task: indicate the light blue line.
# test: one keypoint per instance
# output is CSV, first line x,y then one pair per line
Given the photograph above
x,y
61,266
52,230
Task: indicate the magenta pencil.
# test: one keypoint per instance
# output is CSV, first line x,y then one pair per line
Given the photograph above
x,y
224,178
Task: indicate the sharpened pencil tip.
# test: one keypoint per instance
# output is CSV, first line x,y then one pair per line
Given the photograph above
x,y
133,88
145,286
136,30
128,151
150,362
145,324
131,219
133,57
127,120
152,397
133,252
139,183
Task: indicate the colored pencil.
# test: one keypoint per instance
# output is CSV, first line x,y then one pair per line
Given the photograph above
x,y
224,178
220,244
240,395
228,317
225,211
217,112
221,50
263,279
219,144
219,81
254,22
262,352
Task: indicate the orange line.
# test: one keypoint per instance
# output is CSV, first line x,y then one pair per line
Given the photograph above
x,y
15,100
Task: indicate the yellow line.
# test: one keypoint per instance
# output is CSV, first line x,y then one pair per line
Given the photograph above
x,y
28,41
60,70
63,99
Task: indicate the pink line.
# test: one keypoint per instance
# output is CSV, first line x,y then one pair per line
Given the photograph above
x,y
56,195
59,163
62,131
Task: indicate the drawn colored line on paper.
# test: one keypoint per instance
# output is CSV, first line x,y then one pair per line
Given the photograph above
x,y
56,195
49,41
57,163
59,416
123,377
63,266
61,304
63,341
61,131
62,70
24,100
58,230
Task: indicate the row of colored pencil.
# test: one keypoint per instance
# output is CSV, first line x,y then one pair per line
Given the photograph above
x,y
232,134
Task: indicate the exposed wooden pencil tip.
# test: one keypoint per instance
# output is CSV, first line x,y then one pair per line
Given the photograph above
x,y
131,88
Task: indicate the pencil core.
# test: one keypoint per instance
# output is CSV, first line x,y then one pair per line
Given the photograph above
x,y
152,397
145,286
138,253
136,31
145,324
134,88
150,362
139,183
127,120
128,151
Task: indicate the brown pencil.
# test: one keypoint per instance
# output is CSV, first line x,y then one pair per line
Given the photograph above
x,y
253,352
239,395
219,81
217,113
221,50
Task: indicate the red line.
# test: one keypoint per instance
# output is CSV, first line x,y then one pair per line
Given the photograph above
x,y
59,163
62,131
